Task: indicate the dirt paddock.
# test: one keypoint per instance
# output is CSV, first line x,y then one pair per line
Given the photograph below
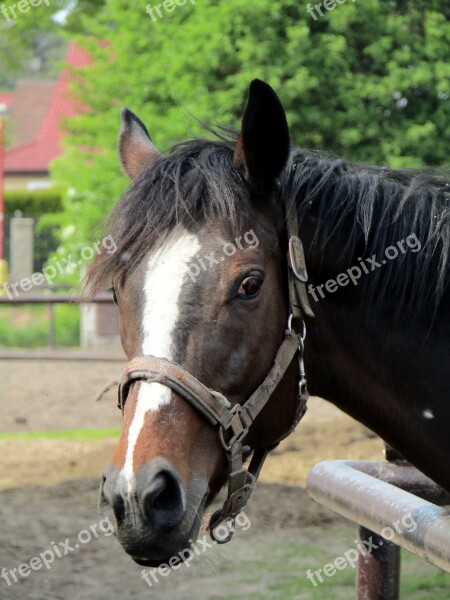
x,y
49,494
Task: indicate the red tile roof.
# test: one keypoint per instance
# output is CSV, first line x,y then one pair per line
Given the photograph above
x,y
6,98
27,110
37,154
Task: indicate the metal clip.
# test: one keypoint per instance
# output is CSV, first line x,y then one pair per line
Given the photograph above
x,y
302,384
301,335
303,387
216,521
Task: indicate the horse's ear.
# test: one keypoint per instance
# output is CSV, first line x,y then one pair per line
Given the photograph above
x,y
136,150
263,145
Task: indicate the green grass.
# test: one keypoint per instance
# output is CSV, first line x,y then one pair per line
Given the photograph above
x,y
69,434
284,568
435,586
27,326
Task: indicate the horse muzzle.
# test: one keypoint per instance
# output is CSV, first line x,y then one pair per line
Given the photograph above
x,y
156,517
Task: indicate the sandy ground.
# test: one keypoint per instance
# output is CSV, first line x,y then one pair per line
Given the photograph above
x,y
49,493
54,395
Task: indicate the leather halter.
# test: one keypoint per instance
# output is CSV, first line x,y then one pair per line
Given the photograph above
x,y
234,422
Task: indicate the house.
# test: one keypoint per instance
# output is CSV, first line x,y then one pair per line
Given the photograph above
x,y
5,101
36,112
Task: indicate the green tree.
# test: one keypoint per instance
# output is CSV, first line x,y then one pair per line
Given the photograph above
x,y
31,45
369,81
34,42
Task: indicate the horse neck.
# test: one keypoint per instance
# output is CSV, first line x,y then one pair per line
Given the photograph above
x,y
390,378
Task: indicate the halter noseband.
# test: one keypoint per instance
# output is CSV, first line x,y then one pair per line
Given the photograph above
x,y
235,421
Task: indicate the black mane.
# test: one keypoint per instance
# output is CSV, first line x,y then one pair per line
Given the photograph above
x,y
195,181
366,209
353,203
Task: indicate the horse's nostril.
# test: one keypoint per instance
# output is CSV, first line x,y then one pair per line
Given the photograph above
x,y
110,498
118,505
163,501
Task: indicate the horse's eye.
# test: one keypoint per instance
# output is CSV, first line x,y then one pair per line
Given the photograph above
x,y
250,286
112,289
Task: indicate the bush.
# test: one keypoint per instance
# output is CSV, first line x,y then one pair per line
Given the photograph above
x,y
28,326
33,203
45,242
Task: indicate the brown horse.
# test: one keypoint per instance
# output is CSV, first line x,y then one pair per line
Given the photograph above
x,y
204,293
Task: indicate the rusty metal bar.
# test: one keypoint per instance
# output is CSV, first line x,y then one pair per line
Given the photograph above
x,y
404,476
344,487
378,572
51,327
2,185
51,300
60,355
56,299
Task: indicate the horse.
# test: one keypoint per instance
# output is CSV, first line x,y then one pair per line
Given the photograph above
x,y
242,263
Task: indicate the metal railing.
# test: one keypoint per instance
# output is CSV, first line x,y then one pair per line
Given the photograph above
x,y
51,299
375,495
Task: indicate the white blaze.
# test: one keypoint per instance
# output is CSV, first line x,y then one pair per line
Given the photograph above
x,y
166,270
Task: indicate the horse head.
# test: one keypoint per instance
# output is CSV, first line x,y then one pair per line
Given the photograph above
x,y
201,289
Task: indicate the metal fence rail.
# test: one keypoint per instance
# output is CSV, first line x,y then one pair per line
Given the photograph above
x,y
63,355
376,495
51,299
57,299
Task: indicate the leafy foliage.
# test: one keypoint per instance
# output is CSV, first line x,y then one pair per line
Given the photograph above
x,y
29,327
33,203
31,42
369,81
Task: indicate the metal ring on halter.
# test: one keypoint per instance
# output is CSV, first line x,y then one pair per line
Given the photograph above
x,y
289,326
216,521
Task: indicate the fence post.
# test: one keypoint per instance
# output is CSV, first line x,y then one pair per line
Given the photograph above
x,y
378,574
21,244
51,326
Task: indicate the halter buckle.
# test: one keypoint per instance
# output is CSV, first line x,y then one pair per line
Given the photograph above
x,y
239,425
238,500
297,260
